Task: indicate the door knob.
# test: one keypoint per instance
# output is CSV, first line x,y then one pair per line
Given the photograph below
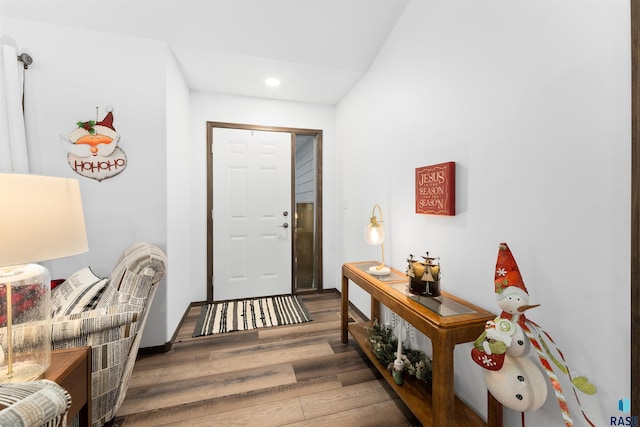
x,y
284,225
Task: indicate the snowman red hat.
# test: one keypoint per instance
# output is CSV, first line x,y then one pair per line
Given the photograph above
x,y
508,280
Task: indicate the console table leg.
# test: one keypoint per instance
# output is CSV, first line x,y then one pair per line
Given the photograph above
x,y
375,309
345,310
494,411
442,384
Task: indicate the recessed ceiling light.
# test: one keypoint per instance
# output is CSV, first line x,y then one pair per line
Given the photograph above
x,y
272,81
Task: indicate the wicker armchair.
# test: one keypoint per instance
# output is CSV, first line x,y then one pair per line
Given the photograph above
x,y
39,403
113,326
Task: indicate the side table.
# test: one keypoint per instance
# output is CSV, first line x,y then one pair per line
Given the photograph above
x,y
71,369
446,320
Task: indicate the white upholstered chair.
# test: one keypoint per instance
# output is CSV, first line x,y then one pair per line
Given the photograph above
x,y
112,324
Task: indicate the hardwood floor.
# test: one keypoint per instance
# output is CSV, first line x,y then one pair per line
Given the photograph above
x,y
297,375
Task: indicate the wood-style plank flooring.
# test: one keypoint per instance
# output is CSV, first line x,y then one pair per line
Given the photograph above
x,y
296,375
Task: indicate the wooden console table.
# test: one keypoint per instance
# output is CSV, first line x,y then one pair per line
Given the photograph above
x,y
71,369
446,320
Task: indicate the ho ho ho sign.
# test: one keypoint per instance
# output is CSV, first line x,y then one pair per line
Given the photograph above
x,y
92,149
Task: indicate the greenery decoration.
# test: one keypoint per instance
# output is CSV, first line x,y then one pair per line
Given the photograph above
x,y
384,346
88,126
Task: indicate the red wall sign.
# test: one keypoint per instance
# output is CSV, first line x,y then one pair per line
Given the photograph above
x,y
436,189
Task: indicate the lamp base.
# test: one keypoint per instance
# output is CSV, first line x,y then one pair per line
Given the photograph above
x,y
22,372
25,322
380,271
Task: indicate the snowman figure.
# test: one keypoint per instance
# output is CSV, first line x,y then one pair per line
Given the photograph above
x,y
502,349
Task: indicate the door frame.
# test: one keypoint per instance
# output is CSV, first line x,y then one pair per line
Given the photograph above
x,y
318,202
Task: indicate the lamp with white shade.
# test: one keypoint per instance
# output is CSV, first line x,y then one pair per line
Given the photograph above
x,y
374,235
41,218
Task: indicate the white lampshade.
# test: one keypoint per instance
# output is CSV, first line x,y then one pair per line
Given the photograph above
x,y
41,219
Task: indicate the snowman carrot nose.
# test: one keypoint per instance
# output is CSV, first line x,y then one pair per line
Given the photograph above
x,y
527,307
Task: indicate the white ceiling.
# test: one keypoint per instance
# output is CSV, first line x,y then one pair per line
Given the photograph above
x,y
318,48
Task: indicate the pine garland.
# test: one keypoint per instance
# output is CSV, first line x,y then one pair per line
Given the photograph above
x,y
384,346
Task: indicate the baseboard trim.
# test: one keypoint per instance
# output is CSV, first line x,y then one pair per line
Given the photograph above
x,y
146,351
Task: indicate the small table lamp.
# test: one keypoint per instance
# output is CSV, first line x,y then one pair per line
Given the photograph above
x,y
374,235
41,218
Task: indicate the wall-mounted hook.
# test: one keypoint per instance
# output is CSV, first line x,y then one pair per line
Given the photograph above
x,y
26,59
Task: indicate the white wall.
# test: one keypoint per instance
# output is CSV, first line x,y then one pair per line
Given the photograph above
x,y
178,182
253,111
75,71
531,100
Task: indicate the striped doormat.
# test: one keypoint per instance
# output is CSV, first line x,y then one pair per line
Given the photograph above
x,y
240,315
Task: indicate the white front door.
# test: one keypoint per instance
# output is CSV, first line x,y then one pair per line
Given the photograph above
x,y
251,213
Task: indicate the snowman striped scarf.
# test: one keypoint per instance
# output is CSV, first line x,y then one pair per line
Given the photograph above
x,y
535,334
